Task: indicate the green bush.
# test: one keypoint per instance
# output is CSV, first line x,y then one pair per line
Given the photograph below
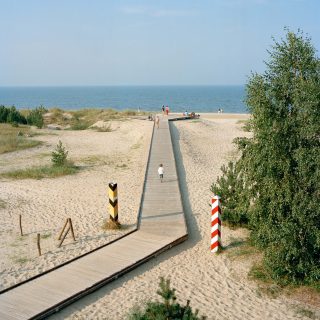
x,y
231,186
3,114
11,115
168,309
280,164
35,117
59,156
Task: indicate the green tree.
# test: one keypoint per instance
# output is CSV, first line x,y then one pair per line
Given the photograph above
x,y
35,117
280,164
169,309
59,156
14,116
3,114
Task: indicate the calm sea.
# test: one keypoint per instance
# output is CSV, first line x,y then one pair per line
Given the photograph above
x,y
148,98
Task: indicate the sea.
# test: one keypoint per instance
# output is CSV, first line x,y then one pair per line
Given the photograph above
x,y
144,98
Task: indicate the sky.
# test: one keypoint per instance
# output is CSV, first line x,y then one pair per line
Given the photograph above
x,y
154,42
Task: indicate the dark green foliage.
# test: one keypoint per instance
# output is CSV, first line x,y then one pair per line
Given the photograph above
x,y
3,114
169,309
59,156
35,117
280,164
231,186
11,115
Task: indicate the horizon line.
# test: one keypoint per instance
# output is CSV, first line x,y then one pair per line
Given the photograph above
x,y
121,85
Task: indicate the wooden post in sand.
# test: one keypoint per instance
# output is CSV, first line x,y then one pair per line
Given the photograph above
x,y
38,244
215,224
20,225
70,228
113,202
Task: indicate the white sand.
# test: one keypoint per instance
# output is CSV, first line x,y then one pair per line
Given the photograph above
x,y
216,285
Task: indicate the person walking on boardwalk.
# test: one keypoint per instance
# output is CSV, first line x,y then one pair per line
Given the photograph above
x,y
157,120
161,172
167,110
163,110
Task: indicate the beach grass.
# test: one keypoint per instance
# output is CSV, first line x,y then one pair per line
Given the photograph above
x,y
41,172
106,128
306,313
85,118
3,204
111,225
15,138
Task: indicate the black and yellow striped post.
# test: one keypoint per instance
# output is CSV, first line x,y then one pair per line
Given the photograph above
x,y
113,201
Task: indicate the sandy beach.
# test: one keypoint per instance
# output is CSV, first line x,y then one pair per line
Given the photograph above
x,y
103,157
217,285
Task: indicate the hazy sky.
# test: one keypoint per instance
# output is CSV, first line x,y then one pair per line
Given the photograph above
x,y
105,42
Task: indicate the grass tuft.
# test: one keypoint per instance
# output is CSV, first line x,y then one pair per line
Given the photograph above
x,y
3,204
21,260
15,138
102,129
41,172
306,313
111,225
46,236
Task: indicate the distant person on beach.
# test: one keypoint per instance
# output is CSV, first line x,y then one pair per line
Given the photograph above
x,y
162,109
157,121
167,110
161,172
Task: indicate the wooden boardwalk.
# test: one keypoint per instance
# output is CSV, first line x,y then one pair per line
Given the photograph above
x,y
161,225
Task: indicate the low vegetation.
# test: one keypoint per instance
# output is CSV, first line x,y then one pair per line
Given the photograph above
x,y
3,204
40,172
15,138
169,308
86,118
111,225
61,167
274,187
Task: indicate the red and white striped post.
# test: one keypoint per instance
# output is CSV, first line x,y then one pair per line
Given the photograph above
x,y
215,224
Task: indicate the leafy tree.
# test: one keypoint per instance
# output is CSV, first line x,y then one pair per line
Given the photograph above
x,y
280,164
59,156
168,309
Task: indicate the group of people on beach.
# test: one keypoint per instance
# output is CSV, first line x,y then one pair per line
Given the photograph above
x,y
165,110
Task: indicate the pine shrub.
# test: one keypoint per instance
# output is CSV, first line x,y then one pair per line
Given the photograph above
x,y
35,117
59,156
168,309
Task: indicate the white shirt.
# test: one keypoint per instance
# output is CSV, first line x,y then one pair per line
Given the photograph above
x,y
160,170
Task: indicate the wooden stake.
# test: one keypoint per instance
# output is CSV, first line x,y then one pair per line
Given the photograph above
x,y
67,220
38,243
71,228
20,224
64,236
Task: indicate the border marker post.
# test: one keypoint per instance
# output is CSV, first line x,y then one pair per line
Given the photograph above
x,y
113,201
215,224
